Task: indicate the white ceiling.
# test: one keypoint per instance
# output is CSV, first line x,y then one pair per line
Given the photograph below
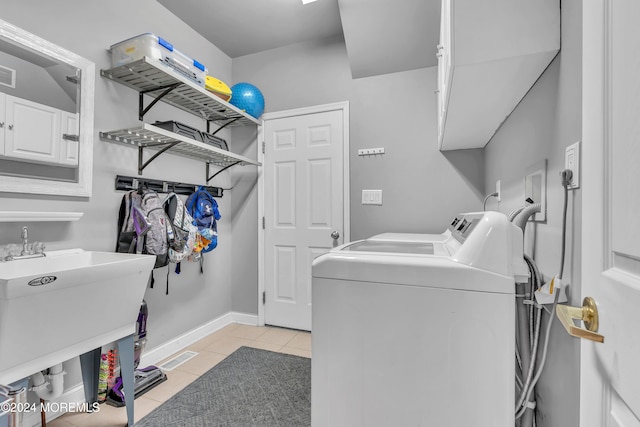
x,y
242,27
382,36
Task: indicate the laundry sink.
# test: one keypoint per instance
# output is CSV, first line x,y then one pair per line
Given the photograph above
x,y
70,302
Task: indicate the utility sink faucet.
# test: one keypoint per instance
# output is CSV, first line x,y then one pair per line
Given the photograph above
x,y
29,250
25,240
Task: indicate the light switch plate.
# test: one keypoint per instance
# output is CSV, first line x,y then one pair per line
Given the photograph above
x,y
372,197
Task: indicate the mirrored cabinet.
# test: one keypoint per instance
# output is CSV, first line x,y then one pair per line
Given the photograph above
x,y
46,116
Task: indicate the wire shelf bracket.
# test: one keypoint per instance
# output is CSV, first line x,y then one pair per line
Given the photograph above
x,y
142,110
209,178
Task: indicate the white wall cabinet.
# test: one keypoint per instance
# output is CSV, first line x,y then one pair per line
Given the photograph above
x,y
35,132
490,54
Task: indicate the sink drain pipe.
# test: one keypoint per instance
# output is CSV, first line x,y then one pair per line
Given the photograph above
x,y
56,381
41,387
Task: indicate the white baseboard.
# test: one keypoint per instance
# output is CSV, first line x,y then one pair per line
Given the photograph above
x,y
157,354
75,394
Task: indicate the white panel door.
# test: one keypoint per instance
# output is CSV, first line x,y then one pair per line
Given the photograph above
x,y
610,377
303,206
32,131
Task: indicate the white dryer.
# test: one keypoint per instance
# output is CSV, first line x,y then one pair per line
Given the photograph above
x,y
418,330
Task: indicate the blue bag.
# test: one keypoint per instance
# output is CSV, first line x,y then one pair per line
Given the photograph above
x,y
204,209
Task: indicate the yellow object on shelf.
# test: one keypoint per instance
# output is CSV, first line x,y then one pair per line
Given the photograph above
x,y
218,87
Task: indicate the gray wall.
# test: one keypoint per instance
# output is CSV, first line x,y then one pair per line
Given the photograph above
x,y
422,187
89,31
244,227
543,125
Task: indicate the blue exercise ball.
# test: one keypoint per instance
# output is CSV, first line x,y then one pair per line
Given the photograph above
x,y
248,98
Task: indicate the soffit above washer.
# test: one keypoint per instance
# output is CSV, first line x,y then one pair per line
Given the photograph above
x,y
385,36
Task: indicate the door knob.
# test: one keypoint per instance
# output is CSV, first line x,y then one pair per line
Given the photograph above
x,y
335,235
588,314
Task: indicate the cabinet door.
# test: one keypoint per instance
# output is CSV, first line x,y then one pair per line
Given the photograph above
x,y
69,141
491,53
444,64
32,131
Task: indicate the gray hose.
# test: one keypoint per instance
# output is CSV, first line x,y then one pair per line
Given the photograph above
x,y
515,213
527,340
524,343
523,217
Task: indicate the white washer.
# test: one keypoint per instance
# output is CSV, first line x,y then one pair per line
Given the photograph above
x,y
418,331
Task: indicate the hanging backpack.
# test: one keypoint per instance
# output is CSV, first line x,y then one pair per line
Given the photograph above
x,y
155,239
181,232
127,239
204,209
142,226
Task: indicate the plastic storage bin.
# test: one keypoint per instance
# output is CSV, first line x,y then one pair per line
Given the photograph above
x,y
158,49
214,141
180,129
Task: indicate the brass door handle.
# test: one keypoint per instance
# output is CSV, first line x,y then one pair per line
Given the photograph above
x,y
588,314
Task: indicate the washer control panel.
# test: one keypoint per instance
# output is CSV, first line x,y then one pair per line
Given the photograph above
x,y
462,226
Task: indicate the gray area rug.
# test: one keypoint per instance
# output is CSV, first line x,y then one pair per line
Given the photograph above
x,y
251,387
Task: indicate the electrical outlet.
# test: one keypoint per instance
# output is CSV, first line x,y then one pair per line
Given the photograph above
x,y
572,162
498,189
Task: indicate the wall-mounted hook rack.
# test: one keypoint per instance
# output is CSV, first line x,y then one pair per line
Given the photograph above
x,y
126,183
370,151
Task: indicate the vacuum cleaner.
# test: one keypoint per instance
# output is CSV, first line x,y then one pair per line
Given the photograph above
x,y
145,378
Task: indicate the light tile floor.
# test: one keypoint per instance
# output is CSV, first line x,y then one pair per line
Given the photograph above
x,y
211,351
